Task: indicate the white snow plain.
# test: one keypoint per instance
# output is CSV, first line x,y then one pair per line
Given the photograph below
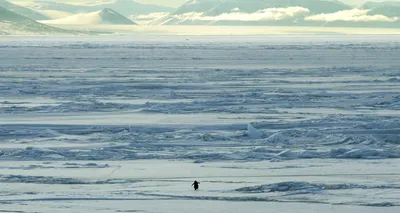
x,y
126,123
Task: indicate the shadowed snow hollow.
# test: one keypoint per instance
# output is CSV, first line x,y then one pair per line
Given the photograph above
x,y
105,16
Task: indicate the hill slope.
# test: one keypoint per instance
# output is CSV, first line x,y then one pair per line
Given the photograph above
x,y
105,16
12,23
372,5
124,7
22,11
386,10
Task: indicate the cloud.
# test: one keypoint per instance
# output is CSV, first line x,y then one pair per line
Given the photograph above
x,y
148,17
190,16
354,15
269,14
235,9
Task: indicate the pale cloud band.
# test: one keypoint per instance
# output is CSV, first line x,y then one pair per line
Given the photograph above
x,y
276,14
354,15
269,14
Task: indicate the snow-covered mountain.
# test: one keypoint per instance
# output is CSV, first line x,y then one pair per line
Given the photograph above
x,y
124,7
105,16
12,23
279,13
373,4
389,11
217,7
22,11
249,12
387,8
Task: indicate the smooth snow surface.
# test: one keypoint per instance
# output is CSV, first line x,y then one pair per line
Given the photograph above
x,y
105,16
127,123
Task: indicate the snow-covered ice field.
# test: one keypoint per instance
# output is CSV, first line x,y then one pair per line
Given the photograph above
x,y
298,124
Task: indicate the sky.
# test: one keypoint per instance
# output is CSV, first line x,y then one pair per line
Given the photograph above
x,y
177,3
169,3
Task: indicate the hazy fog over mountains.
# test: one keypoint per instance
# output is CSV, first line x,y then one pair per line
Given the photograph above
x,y
105,16
283,12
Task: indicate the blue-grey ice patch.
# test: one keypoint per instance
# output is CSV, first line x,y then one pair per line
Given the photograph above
x,y
253,133
172,94
213,137
34,153
307,187
61,180
380,204
85,165
278,138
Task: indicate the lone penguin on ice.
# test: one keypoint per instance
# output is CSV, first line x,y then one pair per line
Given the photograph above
x,y
196,185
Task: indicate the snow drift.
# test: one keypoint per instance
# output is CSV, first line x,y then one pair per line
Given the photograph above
x,y
306,187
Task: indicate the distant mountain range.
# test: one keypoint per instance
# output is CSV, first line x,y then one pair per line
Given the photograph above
x,y
124,7
388,8
283,13
12,23
105,16
23,11
218,7
372,5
